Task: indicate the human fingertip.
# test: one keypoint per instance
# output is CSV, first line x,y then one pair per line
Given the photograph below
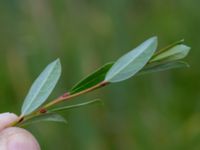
x,y
18,139
6,119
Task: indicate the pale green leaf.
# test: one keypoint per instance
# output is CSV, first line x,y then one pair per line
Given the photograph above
x,y
45,117
158,67
42,87
168,47
132,62
175,53
64,108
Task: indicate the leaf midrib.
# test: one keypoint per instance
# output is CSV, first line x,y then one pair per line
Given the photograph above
x,y
125,65
39,89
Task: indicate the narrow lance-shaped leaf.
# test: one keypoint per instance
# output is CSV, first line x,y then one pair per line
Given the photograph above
x,y
45,117
167,47
132,62
65,108
175,53
93,79
158,67
42,87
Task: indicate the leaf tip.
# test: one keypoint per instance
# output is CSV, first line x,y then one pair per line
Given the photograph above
x,y
182,40
154,40
186,49
187,65
57,61
155,37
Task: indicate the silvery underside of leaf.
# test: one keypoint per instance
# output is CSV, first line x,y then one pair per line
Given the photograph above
x,y
132,62
42,87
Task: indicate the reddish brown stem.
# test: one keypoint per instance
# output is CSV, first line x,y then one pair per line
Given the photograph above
x,y
64,97
67,96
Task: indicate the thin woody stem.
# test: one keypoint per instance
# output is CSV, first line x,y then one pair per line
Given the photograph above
x,y
60,99
17,121
68,96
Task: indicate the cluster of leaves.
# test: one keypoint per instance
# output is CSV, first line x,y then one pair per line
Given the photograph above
x,y
141,60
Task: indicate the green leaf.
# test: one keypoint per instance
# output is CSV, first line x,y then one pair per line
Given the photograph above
x,y
132,62
75,106
157,67
175,53
45,117
168,47
93,79
42,87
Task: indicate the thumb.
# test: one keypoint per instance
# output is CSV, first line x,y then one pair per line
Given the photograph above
x,y
6,119
14,138
17,139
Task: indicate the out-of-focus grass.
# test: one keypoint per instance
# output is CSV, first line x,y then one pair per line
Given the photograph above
x,y
151,112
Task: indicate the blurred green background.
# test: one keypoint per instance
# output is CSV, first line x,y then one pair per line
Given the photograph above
x,y
159,111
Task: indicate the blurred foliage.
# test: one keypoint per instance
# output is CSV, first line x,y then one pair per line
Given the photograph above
x,y
151,112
